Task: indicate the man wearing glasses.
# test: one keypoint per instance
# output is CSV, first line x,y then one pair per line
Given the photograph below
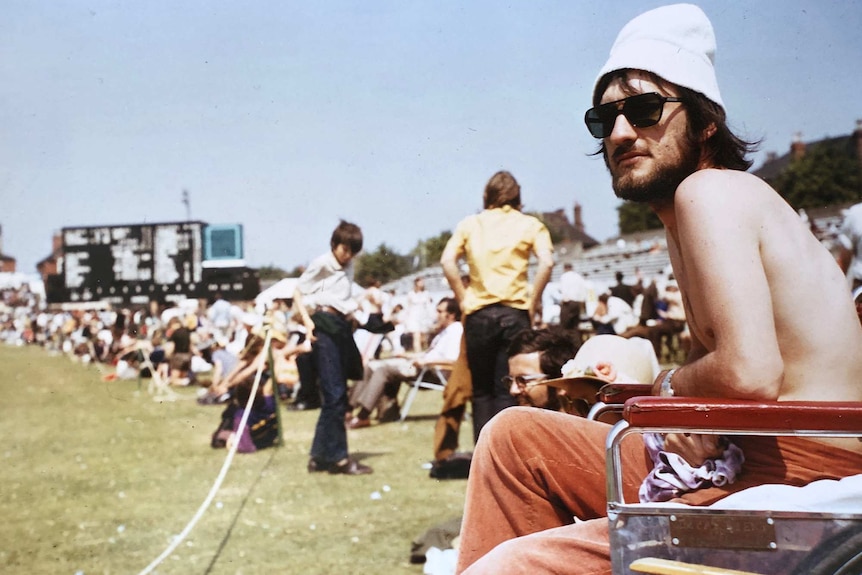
x,y
536,356
748,269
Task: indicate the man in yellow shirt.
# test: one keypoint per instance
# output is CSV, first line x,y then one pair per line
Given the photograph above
x,y
497,244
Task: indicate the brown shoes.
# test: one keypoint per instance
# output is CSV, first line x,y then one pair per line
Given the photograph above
x,y
356,423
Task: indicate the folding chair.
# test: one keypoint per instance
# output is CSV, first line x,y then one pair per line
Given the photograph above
x,y
441,371
670,539
612,397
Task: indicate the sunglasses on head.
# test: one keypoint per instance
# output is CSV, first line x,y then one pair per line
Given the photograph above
x,y
640,111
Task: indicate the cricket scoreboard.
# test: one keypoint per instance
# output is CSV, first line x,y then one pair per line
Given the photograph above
x,y
133,264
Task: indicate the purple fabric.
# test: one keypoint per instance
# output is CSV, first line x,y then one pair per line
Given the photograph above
x,y
672,475
246,445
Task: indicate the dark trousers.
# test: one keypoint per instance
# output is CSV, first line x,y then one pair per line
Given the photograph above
x,y
309,390
488,333
570,314
330,436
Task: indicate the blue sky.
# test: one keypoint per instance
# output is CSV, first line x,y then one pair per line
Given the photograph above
x,y
287,116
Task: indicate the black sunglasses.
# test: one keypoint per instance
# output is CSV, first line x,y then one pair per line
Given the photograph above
x,y
641,111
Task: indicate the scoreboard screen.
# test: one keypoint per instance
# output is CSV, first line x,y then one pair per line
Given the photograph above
x,y
137,263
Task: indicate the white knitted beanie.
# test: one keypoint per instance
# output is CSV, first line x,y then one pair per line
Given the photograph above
x,y
675,42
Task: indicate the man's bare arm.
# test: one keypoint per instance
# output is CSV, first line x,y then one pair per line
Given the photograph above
x,y
449,263
540,281
304,315
715,234
844,258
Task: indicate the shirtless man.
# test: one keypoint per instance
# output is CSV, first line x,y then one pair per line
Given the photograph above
x,y
748,270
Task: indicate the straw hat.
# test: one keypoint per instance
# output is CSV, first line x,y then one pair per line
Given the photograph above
x,y
606,359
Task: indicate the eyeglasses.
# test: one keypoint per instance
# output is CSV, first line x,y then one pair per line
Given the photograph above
x,y
641,111
524,381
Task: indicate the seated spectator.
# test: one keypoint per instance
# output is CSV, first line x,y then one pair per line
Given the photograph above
x,y
385,376
261,429
536,356
180,354
754,334
670,321
613,316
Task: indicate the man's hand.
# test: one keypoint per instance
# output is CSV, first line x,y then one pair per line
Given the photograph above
x,y
695,449
535,313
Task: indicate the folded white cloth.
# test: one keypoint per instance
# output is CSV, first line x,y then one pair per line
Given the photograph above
x,y
440,561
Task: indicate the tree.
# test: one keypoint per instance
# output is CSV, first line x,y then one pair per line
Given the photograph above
x,y
296,272
271,272
428,252
634,217
383,264
556,231
826,175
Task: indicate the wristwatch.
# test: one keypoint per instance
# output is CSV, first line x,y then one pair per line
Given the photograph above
x,y
665,390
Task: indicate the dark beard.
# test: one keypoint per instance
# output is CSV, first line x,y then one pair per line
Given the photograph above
x,y
660,186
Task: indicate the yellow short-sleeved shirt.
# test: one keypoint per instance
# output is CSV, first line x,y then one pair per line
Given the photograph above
x,y
497,244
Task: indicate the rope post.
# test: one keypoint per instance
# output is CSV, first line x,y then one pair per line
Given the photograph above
x,y
270,359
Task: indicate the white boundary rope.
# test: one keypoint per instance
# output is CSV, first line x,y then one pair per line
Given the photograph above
x,y
222,474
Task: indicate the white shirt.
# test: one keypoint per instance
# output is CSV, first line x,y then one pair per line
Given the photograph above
x,y
220,313
446,345
326,283
851,238
573,287
619,314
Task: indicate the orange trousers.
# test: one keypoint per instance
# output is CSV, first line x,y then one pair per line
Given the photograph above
x,y
534,471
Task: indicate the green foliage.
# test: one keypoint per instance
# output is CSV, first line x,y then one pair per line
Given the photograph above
x,y
428,252
634,217
557,233
826,175
383,264
272,272
295,272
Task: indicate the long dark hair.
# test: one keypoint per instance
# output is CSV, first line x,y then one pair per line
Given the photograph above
x,y
723,149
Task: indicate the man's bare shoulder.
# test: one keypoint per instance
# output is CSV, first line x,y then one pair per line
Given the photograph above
x,y
717,185
719,194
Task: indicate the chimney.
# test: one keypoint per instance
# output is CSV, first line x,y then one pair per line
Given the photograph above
x,y
857,140
579,222
797,147
56,244
771,156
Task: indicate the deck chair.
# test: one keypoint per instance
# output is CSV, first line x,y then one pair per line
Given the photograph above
x,y
440,370
666,539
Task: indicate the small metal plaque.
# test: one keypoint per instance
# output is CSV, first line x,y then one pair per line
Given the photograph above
x,y
722,532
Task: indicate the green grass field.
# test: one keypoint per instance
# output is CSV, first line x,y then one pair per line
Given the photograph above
x,y
97,477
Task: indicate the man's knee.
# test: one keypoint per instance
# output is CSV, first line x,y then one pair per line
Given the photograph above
x,y
504,433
